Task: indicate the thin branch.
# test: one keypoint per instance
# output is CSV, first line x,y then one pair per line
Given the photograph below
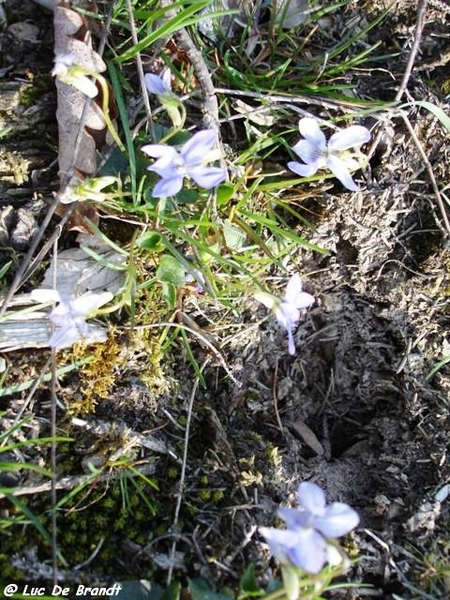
x,y
140,70
71,482
414,49
211,105
429,169
420,20
183,473
204,340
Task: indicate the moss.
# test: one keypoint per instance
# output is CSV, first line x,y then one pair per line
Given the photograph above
x,y
9,572
205,495
218,495
93,515
98,377
173,473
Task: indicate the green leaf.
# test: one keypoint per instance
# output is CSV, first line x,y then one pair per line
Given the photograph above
x,y
170,271
187,196
152,241
224,194
234,236
169,294
34,521
172,592
200,590
249,585
437,366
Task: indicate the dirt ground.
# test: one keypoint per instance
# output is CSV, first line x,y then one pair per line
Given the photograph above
x,y
354,411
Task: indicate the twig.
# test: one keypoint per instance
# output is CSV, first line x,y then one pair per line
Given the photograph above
x,y
429,169
414,49
140,69
53,405
210,106
278,98
71,482
202,338
409,67
183,472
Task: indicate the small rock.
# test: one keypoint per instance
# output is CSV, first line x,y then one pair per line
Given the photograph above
x,y
24,230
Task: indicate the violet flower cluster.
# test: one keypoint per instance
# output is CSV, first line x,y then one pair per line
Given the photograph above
x,y
70,314
190,161
317,154
289,309
305,542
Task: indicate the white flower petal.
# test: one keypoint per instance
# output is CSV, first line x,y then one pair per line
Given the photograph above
x,y
348,138
295,518
303,170
43,295
166,170
293,287
64,337
339,169
337,520
309,128
85,85
167,187
156,84
294,294
309,552
287,315
196,150
311,497
167,79
309,152
207,177
86,304
279,540
160,151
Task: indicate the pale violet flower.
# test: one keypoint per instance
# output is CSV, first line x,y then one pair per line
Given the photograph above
x,y
67,71
158,84
70,314
288,310
173,165
161,86
310,529
317,154
196,278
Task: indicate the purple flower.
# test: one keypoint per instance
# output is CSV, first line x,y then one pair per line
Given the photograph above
x,y
157,84
289,310
173,165
317,154
303,544
69,316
